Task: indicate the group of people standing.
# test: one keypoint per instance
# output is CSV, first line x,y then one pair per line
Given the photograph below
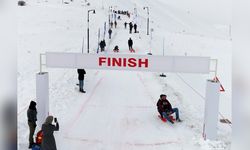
x,y
48,139
111,26
131,26
48,128
113,23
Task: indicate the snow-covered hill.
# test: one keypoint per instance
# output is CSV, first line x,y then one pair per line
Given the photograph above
x,y
119,109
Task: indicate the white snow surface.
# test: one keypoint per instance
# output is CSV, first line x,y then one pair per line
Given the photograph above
x,y
119,112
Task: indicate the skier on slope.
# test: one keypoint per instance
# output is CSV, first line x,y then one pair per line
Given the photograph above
x,y
165,109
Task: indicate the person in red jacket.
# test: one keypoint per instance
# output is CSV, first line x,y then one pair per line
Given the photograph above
x,y
165,109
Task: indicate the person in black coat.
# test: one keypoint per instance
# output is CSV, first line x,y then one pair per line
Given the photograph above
x,y
111,24
125,25
135,27
32,118
130,44
110,32
128,14
115,24
130,27
102,45
165,109
81,73
49,142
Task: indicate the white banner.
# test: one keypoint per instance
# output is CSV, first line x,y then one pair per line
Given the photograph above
x,y
181,64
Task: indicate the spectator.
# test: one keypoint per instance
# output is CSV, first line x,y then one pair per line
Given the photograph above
x,y
130,44
130,27
49,142
115,24
125,25
102,45
111,24
135,27
81,73
110,32
32,118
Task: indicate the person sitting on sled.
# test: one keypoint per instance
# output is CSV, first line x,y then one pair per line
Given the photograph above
x,y
165,109
116,49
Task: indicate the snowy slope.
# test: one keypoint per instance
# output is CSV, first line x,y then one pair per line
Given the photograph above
x,y
118,111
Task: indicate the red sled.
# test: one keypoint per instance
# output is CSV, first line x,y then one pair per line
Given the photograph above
x,y
162,119
39,137
165,120
132,51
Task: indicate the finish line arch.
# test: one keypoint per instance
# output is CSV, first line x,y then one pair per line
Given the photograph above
x,y
148,63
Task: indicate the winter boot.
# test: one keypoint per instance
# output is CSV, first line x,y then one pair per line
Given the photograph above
x,y
30,145
172,121
81,90
178,120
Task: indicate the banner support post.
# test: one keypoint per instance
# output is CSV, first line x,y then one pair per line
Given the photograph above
x,y
42,96
211,110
